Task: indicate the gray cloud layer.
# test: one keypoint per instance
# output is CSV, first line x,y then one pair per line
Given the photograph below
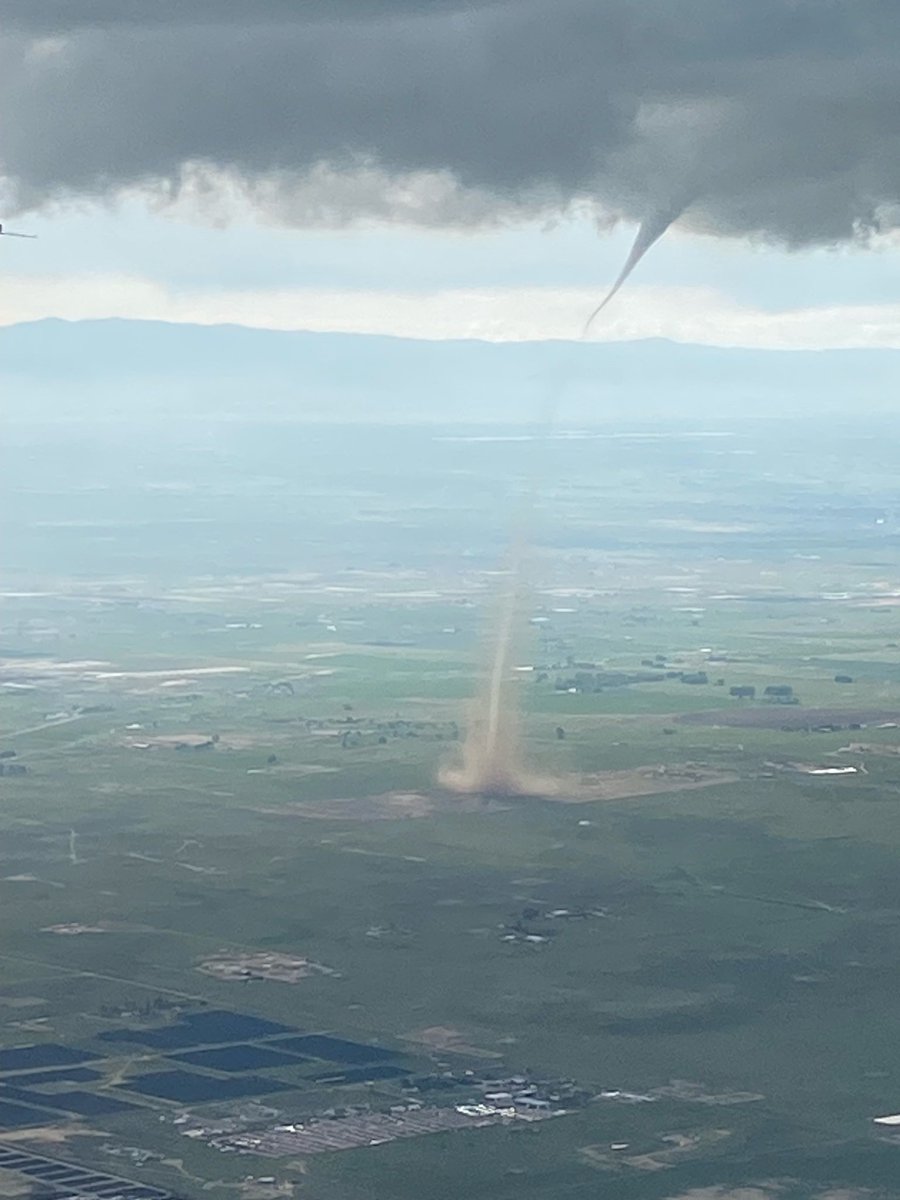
x,y
773,118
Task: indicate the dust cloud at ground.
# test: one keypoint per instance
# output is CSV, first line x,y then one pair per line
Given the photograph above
x,y
492,760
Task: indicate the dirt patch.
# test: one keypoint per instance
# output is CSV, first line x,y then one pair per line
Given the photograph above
x,y
583,789
195,741
302,769
171,741
32,879
76,929
13,1185
791,717
249,741
639,781
51,1134
445,1040
672,1148
266,964
179,673
867,748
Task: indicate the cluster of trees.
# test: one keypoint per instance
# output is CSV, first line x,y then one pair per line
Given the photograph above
x,y
598,681
775,693
145,1010
384,731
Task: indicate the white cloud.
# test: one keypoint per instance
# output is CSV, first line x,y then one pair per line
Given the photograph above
x,y
355,196
695,315
772,1191
851,1194
725,1193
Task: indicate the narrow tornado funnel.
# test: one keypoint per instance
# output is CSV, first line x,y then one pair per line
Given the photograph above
x,y
650,231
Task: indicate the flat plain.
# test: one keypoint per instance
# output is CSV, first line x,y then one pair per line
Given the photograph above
x,y
232,665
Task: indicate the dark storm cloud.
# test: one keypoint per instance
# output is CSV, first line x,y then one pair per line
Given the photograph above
x,y
776,118
61,15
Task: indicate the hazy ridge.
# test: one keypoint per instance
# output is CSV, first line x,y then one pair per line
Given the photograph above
x,y
115,368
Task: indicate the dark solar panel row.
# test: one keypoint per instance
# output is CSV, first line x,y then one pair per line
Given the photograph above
x,y
19,1116
64,1074
242,1057
45,1054
187,1088
71,1182
334,1049
24,1096
85,1104
222,1029
199,1029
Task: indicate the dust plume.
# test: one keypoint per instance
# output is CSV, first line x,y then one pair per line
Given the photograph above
x,y
492,760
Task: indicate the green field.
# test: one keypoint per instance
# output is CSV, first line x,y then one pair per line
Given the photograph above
x,y
749,936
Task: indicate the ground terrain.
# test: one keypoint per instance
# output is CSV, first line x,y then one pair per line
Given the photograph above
x,y
232,666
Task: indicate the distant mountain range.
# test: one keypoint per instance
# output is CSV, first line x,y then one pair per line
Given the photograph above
x,y
150,370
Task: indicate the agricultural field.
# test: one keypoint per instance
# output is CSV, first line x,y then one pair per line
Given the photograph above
x,y
235,895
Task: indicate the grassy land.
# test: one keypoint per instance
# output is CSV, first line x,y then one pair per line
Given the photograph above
x,y
742,921
750,940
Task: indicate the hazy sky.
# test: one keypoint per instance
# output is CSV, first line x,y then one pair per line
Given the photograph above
x,y
448,168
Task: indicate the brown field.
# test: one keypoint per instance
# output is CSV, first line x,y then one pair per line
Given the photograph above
x,y
445,1040
639,781
191,741
59,1134
583,789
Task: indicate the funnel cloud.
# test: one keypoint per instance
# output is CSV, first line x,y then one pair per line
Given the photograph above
x,y
650,231
777,116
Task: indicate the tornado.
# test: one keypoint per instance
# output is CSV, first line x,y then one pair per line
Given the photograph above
x,y
650,231
492,763
500,669
492,760
494,749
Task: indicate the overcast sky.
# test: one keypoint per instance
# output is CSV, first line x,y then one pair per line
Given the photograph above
x,y
451,168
